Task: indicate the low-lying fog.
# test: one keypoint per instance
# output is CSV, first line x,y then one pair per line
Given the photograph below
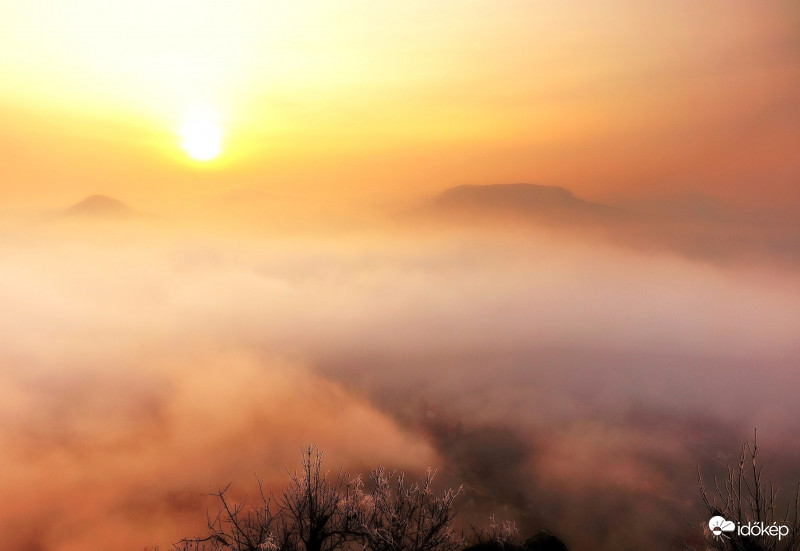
x,y
569,383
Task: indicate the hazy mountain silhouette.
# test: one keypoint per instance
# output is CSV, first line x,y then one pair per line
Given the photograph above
x,y
552,204
693,224
101,206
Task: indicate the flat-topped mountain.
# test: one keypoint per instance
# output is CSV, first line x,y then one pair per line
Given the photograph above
x,y
527,201
509,195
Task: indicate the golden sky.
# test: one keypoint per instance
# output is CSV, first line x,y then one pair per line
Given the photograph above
x,y
377,101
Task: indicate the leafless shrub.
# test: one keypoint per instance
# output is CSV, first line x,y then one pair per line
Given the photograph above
x,y
322,513
400,517
242,527
319,512
501,535
504,533
744,497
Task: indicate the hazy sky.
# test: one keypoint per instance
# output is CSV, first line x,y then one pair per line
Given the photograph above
x,y
379,101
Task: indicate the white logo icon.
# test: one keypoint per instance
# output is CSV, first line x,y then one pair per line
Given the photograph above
x,y
718,525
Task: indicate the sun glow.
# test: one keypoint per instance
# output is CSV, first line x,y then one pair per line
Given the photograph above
x,y
201,134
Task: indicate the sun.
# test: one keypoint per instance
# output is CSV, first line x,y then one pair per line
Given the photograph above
x,y
201,133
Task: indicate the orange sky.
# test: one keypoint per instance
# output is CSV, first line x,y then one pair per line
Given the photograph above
x,y
377,102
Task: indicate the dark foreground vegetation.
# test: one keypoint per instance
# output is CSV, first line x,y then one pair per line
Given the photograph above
x,y
320,512
745,498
